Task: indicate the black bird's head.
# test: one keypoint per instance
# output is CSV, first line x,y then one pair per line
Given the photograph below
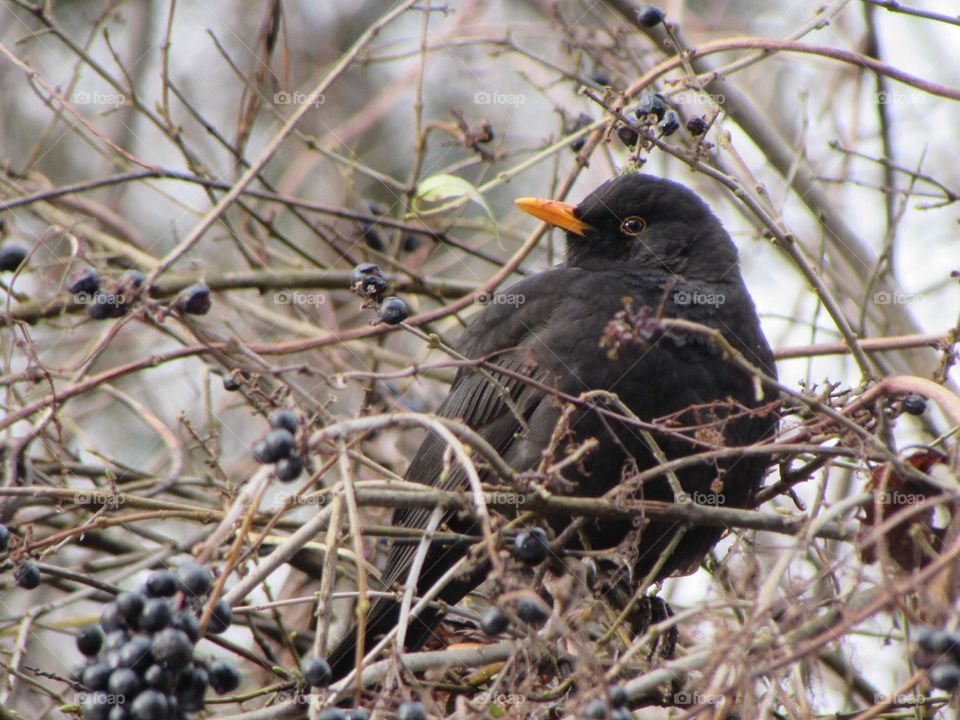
x,y
642,221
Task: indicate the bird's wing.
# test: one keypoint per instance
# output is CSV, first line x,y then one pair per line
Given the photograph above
x,y
496,407
493,404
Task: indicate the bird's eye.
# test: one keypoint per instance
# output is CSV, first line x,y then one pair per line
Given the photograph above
x,y
633,225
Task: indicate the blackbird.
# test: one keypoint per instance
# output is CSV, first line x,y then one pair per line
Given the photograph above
x,y
638,248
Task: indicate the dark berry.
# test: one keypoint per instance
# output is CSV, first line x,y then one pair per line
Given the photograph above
x,y
277,445
357,714
110,618
697,126
670,124
158,678
914,405
600,78
945,676
281,419
596,709
494,621
532,612
223,676
150,705
156,615
628,136
130,605
371,237
136,653
364,270
650,16
172,649
411,711
4,537
531,546
582,121
316,672
191,687
11,257
621,713
95,676
115,639
161,583
85,280
132,281
289,469
411,242
220,618
111,658
371,286
932,640
104,305
124,681
651,104
188,623
232,381
118,712
96,706
259,452
27,575
618,696
194,300
90,640
393,310
194,579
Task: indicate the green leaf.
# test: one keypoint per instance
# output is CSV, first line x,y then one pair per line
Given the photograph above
x,y
458,191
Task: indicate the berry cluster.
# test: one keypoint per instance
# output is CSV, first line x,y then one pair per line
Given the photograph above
x,y
651,110
140,662
368,282
939,650
279,444
105,298
531,547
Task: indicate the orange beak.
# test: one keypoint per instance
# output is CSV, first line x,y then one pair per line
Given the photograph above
x,y
554,212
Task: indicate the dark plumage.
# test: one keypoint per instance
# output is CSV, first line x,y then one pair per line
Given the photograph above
x,y
637,237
